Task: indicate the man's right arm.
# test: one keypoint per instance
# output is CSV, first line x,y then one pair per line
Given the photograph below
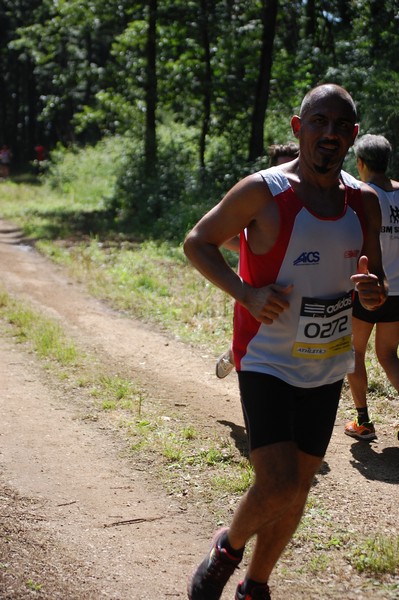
x,y
235,212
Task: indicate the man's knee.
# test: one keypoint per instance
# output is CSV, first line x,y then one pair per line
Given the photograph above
x,y
274,496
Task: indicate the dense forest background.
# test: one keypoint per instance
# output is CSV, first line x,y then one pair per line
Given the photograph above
x,y
195,90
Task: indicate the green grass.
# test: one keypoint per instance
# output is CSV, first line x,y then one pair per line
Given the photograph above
x,y
45,335
236,483
376,555
34,587
115,391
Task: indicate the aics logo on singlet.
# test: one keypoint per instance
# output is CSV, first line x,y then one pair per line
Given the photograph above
x,y
307,258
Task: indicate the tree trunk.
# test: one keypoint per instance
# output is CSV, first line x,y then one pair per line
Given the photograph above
x,y
207,79
310,28
151,93
269,16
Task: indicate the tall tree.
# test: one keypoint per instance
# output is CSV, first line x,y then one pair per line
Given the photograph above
x,y
206,79
269,16
151,92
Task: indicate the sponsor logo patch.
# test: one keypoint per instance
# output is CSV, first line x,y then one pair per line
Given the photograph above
x,y
307,258
351,253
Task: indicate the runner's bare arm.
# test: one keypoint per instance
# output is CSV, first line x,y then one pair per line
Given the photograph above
x,y
241,206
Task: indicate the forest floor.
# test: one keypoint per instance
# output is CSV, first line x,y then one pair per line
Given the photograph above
x,y
81,518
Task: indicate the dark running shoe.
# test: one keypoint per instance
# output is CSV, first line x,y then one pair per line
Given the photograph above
x,y
260,592
213,573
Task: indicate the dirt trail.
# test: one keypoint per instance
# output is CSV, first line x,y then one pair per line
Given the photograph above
x,y
65,482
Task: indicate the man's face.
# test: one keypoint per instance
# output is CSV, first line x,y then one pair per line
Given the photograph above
x,y
326,131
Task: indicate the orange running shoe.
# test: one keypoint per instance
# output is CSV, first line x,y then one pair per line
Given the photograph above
x,y
365,431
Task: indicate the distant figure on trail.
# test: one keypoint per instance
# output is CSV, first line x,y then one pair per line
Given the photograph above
x,y
40,153
40,157
278,155
5,161
372,158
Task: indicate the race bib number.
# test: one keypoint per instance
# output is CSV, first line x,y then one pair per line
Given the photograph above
x,y
324,328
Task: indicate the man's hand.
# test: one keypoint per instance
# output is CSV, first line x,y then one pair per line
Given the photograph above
x,y
371,293
267,303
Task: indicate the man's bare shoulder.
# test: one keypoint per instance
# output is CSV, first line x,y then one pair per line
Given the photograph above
x,y
252,186
367,191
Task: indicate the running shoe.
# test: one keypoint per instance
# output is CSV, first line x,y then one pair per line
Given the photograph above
x,y
260,592
213,573
224,364
365,431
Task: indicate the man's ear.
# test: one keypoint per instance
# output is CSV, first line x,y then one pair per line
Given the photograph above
x,y
360,166
296,125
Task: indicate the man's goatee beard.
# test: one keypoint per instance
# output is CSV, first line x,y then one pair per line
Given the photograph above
x,y
323,170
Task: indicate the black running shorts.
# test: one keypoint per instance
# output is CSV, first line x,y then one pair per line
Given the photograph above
x,y
387,313
275,411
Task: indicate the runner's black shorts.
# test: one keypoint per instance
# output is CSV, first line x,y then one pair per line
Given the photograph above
x,y
387,313
275,411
